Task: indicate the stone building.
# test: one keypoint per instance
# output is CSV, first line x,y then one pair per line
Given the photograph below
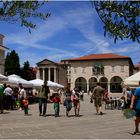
x,y
49,70
108,69
2,54
84,72
137,68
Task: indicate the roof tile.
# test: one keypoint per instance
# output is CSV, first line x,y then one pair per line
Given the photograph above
x,y
99,56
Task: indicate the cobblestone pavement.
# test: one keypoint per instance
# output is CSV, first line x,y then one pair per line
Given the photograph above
x,y
111,125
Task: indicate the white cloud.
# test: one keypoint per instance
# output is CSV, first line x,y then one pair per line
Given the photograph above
x,y
82,19
45,31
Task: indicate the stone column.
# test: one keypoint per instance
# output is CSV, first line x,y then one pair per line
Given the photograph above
x,y
108,87
43,74
87,86
38,73
54,74
49,73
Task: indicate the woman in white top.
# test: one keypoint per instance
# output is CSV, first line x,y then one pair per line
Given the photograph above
x,y
21,96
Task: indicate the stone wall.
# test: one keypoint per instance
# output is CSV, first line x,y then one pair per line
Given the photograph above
x,y
84,69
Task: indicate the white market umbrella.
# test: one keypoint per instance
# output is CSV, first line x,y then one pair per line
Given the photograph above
x,y
133,81
3,77
52,84
15,80
60,86
37,82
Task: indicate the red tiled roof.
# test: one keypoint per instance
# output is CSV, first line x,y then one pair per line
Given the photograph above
x,y
98,56
60,63
137,65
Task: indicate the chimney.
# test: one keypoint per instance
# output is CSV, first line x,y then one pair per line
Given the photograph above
x,y
1,39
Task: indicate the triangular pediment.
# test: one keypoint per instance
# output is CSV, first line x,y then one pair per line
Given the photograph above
x,y
46,62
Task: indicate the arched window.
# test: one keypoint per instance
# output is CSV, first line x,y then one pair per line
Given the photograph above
x,y
92,83
104,82
115,84
81,84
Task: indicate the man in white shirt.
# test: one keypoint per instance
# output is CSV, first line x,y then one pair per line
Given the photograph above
x,y
8,94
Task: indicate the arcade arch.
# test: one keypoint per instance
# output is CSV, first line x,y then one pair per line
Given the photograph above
x,y
115,84
92,83
81,84
104,82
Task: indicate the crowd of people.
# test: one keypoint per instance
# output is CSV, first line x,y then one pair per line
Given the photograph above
x,y
16,98
11,98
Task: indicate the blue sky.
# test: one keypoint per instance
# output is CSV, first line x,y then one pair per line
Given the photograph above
x,y
73,30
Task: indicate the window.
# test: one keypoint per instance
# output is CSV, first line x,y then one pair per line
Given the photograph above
x,y
69,80
68,72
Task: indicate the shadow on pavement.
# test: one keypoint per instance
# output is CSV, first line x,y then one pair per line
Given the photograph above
x,y
133,133
75,116
5,113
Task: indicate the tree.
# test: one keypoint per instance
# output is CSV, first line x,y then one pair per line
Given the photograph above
x,y
12,64
22,12
121,18
27,72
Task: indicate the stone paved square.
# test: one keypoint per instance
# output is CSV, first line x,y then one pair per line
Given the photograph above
x,y
111,125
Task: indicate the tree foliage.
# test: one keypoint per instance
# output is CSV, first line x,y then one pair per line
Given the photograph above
x,y
22,12
121,18
12,64
27,72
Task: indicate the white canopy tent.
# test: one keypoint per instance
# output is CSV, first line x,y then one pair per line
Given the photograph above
x,y
60,86
36,82
3,78
14,80
39,82
132,81
52,84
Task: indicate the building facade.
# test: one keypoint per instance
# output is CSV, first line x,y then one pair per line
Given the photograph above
x,y
137,68
2,54
108,69
84,72
49,70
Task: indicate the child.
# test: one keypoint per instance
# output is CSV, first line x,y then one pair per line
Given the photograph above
x,y
25,105
122,103
76,103
56,101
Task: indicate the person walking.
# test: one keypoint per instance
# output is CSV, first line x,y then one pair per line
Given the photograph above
x,y
21,96
128,96
43,97
76,103
68,101
97,95
1,98
25,105
135,104
56,101
8,92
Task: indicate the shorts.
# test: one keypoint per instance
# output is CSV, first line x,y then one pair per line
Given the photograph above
x,y
76,103
137,112
98,102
